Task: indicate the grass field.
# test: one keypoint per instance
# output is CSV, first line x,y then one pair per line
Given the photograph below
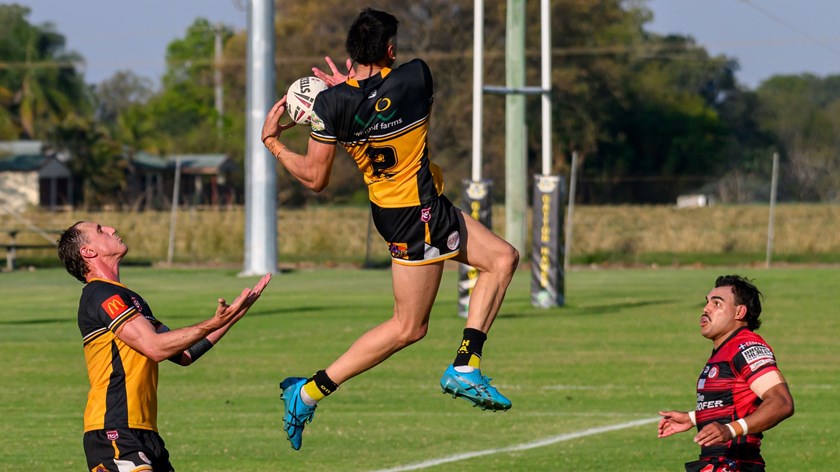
x,y
626,345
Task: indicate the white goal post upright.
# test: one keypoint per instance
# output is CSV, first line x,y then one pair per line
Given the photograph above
x,y
547,249
547,285
476,198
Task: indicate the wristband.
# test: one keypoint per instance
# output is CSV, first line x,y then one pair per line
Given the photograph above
x,y
275,147
736,426
743,423
731,430
692,415
198,349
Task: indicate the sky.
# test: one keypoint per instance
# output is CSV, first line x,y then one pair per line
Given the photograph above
x,y
768,37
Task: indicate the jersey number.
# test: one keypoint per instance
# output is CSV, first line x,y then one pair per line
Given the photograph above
x,y
382,159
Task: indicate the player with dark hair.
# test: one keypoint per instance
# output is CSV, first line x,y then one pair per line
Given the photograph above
x,y
740,392
123,344
380,115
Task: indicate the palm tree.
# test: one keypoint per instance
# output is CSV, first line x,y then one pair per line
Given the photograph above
x,y
39,83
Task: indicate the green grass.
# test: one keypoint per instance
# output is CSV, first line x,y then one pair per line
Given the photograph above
x,y
625,345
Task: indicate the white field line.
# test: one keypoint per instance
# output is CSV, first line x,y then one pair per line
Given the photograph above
x,y
522,447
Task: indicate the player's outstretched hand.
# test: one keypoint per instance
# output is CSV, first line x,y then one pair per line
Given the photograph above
x,y
336,77
236,310
272,126
673,422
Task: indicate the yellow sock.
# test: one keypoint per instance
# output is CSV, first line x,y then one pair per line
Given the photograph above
x,y
311,389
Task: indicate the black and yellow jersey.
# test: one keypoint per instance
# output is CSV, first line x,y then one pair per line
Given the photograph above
x,y
383,122
123,382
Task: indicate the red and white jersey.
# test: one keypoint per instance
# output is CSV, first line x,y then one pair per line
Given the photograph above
x,y
724,394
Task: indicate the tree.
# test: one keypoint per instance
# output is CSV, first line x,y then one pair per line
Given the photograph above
x,y
801,111
97,162
118,93
184,110
39,86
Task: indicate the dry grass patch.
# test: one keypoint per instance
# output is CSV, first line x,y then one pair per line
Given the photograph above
x,y
325,234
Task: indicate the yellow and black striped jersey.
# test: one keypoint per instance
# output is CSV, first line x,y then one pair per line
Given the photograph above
x,y
123,382
383,123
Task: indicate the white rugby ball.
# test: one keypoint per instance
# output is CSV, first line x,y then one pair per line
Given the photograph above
x,y
301,97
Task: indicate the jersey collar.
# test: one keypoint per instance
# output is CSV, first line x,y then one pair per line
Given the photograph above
x,y
97,279
382,72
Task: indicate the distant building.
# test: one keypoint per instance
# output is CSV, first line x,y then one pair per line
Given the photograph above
x,y
28,177
695,201
204,180
32,177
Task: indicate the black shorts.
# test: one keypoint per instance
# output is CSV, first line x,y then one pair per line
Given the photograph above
x,y
126,449
421,234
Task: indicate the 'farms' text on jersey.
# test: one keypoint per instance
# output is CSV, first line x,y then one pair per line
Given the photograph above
x,y
123,382
382,122
724,394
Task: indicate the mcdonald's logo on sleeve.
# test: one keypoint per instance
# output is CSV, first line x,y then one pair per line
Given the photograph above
x,y
114,306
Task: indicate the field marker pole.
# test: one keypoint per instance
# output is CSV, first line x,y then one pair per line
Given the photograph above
x,y
774,182
173,214
570,211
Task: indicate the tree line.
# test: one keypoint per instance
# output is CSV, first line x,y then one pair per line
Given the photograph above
x,y
650,116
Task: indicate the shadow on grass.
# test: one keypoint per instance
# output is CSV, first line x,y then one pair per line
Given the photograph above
x,y
38,321
577,310
256,312
618,307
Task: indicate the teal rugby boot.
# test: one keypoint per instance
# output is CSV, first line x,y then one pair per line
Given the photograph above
x,y
473,387
297,413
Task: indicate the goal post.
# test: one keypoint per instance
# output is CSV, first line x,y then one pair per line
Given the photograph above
x,y
547,250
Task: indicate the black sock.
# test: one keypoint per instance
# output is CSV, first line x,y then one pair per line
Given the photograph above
x,y
470,351
320,385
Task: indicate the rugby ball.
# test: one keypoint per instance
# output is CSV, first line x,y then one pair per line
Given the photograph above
x,y
301,97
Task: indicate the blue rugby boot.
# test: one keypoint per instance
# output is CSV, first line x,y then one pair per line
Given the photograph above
x,y
474,388
297,413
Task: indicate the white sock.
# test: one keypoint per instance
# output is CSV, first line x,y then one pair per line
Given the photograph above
x,y
309,401
464,369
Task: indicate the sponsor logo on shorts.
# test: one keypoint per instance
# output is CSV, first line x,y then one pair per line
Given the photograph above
x,y
398,250
425,215
112,435
143,457
114,306
453,241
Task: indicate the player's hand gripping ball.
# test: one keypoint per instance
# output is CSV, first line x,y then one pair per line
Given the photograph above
x,y
301,98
